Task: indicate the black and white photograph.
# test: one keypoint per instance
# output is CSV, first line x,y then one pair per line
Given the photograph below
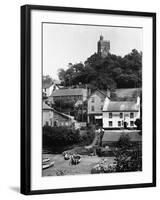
x,y
92,99
88,99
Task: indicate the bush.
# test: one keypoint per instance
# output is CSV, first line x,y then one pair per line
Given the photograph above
x,y
138,123
60,136
102,151
128,160
129,155
88,137
124,141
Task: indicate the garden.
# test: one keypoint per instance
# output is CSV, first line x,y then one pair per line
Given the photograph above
x,y
62,146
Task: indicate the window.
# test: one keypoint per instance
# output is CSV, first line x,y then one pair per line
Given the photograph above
x,y
119,123
110,115
131,115
92,99
121,115
92,108
110,123
131,123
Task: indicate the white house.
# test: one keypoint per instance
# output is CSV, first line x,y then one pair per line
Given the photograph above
x,y
120,114
51,117
47,115
48,88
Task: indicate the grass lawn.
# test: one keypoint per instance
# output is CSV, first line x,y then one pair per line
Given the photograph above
x,y
84,167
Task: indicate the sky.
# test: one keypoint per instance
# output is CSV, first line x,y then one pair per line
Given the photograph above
x,y
63,44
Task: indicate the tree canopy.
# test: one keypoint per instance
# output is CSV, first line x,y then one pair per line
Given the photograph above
x,y
105,73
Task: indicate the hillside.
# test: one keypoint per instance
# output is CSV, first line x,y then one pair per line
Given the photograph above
x,y
105,73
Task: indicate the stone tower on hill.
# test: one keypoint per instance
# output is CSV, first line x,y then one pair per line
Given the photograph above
x,y
103,47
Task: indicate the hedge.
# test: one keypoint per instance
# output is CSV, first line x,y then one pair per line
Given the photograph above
x,y
60,136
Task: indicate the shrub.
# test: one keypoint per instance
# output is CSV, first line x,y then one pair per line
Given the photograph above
x,y
124,141
128,160
60,136
138,123
87,137
102,151
129,156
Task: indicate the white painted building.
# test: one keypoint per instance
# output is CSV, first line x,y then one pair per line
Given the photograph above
x,y
47,115
117,114
48,89
51,117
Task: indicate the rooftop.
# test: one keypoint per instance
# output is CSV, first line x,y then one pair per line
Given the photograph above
x,y
120,106
46,107
127,93
69,92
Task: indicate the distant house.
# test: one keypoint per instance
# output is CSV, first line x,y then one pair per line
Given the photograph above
x,y
95,106
70,94
48,113
51,117
120,114
61,119
48,87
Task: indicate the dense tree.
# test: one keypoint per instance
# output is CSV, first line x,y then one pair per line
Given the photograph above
x,y
47,80
109,72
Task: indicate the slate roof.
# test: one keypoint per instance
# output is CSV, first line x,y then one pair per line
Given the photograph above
x,y
68,92
129,93
47,84
46,107
115,136
120,106
102,92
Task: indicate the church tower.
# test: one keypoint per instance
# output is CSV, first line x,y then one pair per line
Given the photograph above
x,y
103,47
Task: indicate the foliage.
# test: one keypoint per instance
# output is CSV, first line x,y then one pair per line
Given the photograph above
x,y
63,104
47,79
109,72
68,106
128,160
102,151
128,156
124,141
138,123
60,136
87,137
103,167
